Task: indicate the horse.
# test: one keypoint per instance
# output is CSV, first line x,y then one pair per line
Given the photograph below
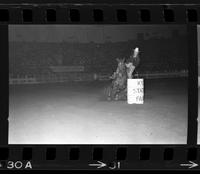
x,y
132,62
118,88
119,82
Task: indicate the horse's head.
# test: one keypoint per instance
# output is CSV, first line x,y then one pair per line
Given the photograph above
x,y
120,74
121,63
121,68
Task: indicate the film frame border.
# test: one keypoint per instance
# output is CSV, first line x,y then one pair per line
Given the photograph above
x,y
130,156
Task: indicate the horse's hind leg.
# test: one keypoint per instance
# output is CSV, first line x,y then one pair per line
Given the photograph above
x,y
108,93
113,94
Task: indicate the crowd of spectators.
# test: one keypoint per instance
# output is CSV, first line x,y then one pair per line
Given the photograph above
x,y
157,55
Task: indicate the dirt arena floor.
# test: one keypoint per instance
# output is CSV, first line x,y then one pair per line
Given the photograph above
x,y
77,113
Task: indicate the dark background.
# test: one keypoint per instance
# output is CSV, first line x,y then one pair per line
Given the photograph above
x,y
32,49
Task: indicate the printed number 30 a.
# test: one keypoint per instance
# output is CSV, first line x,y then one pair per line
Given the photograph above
x,y
18,165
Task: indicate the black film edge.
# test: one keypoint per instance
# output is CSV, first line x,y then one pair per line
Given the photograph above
x,y
71,59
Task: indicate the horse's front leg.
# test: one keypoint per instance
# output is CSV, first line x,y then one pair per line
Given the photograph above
x,y
116,94
110,92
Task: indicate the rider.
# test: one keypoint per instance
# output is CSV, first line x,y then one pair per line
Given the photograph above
x,y
132,62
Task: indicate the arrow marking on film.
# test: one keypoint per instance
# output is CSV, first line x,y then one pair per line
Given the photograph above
x,y
191,165
100,164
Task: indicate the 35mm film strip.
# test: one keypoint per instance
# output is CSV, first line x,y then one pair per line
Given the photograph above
x,y
99,86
